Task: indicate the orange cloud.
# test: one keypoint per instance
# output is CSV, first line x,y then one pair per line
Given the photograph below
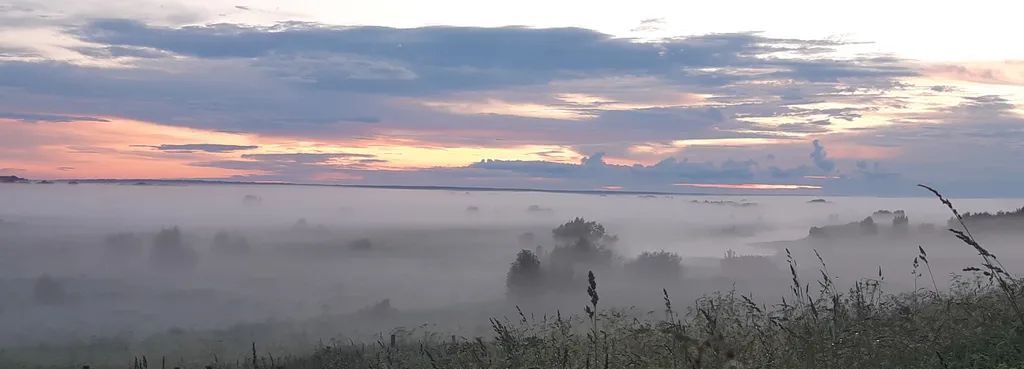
x,y
104,149
1007,72
122,148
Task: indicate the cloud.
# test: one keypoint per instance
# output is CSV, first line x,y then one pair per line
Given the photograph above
x,y
443,58
214,148
1007,72
51,118
305,158
112,52
500,89
820,157
594,168
312,80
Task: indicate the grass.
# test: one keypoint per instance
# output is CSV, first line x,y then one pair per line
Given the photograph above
x,y
976,323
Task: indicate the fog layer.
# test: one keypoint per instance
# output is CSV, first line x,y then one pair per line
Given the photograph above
x,y
79,261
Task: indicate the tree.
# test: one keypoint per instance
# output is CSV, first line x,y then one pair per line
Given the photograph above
x,y
580,228
583,251
362,244
230,244
170,253
124,245
900,222
525,277
747,267
657,265
867,226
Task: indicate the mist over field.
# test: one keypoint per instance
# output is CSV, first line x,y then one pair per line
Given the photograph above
x,y
81,262
396,184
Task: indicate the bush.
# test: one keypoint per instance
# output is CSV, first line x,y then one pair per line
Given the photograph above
x,y
580,228
170,253
581,242
252,200
525,277
382,309
229,244
362,244
123,245
747,267
868,227
584,252
900,222
657,265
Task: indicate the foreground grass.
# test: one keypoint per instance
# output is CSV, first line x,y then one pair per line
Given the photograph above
x,y
969,326
976,323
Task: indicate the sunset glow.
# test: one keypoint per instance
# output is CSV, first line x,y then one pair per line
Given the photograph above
x,y
302,95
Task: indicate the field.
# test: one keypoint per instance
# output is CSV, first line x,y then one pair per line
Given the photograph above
x,y
973,321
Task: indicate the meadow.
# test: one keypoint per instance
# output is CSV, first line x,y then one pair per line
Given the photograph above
x,y
605,317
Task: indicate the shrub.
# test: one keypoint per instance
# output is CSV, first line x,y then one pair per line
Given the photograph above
x,y
382,309
252,200
584,252
230,244
867,226
525,277
362,244
170,253
657,265
581,242
747,267
579,228
123,245
900,222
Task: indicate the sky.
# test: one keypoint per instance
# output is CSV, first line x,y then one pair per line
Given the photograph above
x,y
796,97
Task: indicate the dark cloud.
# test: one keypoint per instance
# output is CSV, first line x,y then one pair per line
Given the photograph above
x,y
432,59
312,80
595,168
820,157
296,167
304,79
52,118
109,52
